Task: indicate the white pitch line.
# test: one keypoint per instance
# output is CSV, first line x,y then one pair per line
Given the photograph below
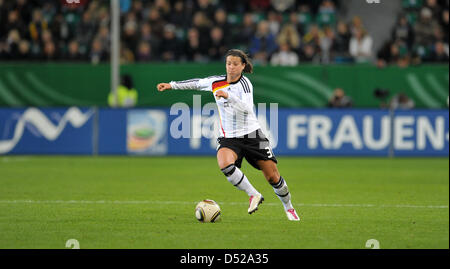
x,y
223,203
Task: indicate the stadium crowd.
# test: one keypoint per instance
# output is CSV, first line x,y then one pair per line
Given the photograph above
x,y
277,32
420,35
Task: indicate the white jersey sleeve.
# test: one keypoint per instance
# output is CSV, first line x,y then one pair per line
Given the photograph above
x,y
200,84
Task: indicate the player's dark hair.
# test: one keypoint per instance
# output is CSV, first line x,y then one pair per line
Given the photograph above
x,y
244,58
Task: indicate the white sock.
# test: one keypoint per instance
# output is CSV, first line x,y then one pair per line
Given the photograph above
x,y
282,191
239,180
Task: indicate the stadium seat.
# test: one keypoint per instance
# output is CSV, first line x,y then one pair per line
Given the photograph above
x,y
305,19
323,19
412,4
412,17
234,18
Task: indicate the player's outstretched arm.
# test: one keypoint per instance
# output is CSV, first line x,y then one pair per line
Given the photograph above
x,y
190,84
163,87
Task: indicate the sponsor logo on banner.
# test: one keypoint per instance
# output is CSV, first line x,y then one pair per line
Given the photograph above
x,y
39,125
147,132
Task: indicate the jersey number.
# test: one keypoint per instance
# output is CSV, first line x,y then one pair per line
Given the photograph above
x,y
269,152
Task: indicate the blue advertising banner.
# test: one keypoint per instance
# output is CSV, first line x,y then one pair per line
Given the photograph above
x,y
182,130
364,133
424,133
46,131
112,131
333,133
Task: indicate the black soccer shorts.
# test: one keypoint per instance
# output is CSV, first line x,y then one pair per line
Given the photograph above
x,y
253,147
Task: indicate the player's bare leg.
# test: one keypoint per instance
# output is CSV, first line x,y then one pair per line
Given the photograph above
x,y
226,159
272,175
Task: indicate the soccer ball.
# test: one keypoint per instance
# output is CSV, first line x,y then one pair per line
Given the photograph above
x,y
207,211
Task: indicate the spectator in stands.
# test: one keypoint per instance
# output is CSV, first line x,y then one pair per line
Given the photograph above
x,y
126,56
403,31
263,44
206,7
3,50
309,54
102,16
284,57
86,29
179,17
103,36
259,5
144,53
444,24
290,36
163,6
146,35
313,35
144,22
12,43
24,50
14,22
218,46
193,49
401,101
37,25
393,53
24,8
156,21
130,35
340,100
425,27
97,53
48,11
137,7
283,5
294,21
60,30
356,24
274,22
341,41
439,53
361,46
435,8
50,52
327,6
326,44
246,30
304,18
170,45
73,53
203,25
220,20
390,54
47,37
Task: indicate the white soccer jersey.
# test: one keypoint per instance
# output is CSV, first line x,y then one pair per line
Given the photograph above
x,y
237,115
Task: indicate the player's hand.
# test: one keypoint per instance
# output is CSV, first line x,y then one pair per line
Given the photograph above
x,y
163,87
221,93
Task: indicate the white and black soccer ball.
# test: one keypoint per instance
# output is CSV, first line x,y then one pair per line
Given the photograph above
x,y
207,211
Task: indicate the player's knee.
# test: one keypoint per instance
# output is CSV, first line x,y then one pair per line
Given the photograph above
x,y
228,170
272,177
225,159
224,162
272,180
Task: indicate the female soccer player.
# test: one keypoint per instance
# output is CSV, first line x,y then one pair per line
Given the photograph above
x,y
241,134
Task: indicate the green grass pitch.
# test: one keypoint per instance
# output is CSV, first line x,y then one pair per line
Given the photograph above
x,y
148,202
